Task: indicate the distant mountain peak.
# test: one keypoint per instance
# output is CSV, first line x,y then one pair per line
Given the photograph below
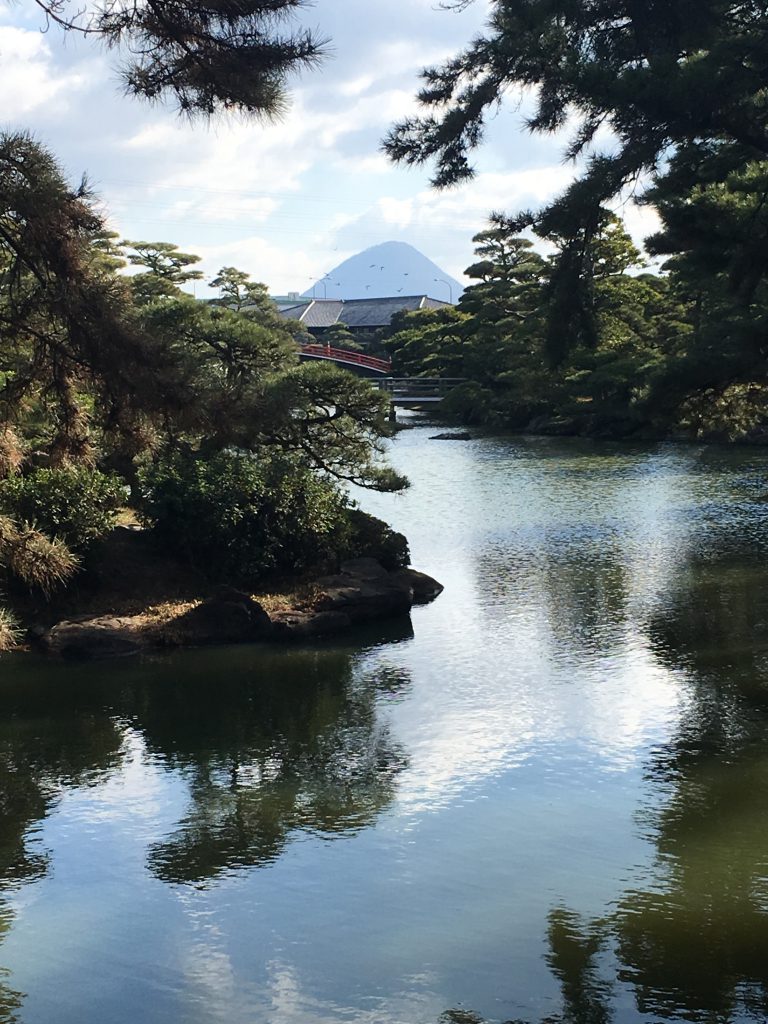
x,y
384,270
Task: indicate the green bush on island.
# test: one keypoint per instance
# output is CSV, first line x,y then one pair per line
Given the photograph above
x,y
370,537
243,514
74,503
104,373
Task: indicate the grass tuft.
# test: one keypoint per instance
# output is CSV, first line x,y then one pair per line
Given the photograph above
x,y
10,633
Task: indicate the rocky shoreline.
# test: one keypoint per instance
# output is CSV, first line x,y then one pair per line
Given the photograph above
x,y
361,591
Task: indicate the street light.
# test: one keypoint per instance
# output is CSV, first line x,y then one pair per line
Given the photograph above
x,y
450,287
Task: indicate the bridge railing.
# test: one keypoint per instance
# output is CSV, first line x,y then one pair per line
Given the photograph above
x,y
414,387
343,355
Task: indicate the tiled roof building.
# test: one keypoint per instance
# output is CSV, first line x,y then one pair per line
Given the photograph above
x,y
357,314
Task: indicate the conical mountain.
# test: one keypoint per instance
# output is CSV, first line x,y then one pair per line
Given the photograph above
x,y
392,268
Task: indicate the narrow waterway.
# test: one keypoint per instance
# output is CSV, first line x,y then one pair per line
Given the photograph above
x,y
544,798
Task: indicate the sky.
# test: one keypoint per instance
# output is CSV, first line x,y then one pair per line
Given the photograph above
x,y
288,201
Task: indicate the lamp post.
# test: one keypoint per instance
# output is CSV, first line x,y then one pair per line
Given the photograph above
x,y
322,281
449,286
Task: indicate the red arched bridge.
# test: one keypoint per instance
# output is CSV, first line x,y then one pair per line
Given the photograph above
x,y
402,391
344,357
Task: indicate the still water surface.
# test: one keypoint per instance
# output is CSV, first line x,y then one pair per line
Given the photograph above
x,y
545,798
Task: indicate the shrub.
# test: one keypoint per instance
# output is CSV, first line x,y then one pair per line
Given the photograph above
x,y
10,634
240,516
76,504
11,455
372,538
34,559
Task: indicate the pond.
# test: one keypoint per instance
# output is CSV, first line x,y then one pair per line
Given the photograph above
x,y
543,798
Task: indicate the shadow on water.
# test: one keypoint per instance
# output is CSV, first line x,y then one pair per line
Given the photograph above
x,y
307,754
267,742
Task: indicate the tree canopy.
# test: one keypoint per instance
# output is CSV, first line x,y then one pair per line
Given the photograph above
x,y
657,73
105,375
669,93
206,57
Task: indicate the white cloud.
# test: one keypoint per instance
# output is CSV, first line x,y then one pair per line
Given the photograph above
x,y
28,80
284,269
291,199
396,211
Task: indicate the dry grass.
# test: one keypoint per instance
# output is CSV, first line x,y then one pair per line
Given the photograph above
x,y
289,597
40,562
10,633
11,454
33,558
126,517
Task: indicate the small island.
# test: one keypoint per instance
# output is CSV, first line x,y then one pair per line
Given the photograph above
x,y
170,471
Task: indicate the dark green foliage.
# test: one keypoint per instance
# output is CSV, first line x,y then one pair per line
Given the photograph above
x,y
166,269
95,365
371,538
74,503
429,343
340,336
98,368
664,77
207,57
510,274
506,340
471,403
239,515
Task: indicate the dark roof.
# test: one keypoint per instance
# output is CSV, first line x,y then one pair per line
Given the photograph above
x,y
357,313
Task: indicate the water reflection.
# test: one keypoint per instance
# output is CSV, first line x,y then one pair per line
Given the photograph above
x,y
599,648
307,754
45,747
689,940
266,745
10,1000
694,942
714,623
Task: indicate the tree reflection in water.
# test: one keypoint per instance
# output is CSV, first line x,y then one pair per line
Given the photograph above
x,y
46,746
269,743
695,945
691,942
308,754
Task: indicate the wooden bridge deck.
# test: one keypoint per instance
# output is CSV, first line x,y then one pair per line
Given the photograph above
x,y
413,391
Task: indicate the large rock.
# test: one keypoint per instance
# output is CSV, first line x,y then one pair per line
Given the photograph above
x,y
89,639
229,617
363,591
424,588
364,569
301,625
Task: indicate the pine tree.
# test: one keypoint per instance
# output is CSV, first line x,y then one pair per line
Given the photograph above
x,y
660,76
206,57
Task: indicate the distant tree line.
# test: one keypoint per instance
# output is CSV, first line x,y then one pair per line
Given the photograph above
x,y
678,352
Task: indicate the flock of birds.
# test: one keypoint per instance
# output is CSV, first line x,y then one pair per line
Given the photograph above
x,y
373,266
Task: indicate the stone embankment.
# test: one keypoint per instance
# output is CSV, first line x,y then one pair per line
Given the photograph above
x,y
362,590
